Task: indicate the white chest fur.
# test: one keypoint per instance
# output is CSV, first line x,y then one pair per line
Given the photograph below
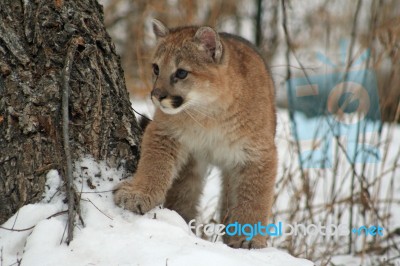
x,y
213,145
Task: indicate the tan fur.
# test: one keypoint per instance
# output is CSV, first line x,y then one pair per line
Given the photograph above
x,y
227,119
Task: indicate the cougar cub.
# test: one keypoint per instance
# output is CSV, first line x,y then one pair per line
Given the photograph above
x,y
215,100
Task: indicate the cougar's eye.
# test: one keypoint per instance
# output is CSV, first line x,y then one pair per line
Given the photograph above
x,y
156,70
181,74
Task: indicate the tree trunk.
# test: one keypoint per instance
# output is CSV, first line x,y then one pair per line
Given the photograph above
x,y
35,37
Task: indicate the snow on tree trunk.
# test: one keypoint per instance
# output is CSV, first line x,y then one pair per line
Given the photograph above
x,y
35,36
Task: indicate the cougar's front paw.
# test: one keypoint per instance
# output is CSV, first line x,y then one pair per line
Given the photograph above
x,y
127,197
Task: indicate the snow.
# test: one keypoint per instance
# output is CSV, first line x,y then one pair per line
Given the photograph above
x,y
53,183
113,236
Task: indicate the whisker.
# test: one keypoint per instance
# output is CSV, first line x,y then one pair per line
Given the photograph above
x,y
188,113
198,108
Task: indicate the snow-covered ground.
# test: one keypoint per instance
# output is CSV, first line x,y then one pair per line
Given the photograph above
x,y
112,236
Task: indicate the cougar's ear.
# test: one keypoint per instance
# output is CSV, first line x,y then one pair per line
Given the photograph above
x,y
159,29
210,42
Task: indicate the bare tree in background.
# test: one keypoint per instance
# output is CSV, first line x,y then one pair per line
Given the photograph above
x,y
318,29
53,52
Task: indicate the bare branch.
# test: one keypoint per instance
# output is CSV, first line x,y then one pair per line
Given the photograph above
x,y
65,115
33,226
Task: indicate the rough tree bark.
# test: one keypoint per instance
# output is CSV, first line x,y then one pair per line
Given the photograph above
x,y
35,36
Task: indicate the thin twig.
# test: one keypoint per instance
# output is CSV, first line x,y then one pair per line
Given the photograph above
x,y
15,220
17,230
55,193
296,67
79,197
288,77
142,115
18,262
62,237
354,174
98,208
29,228
97,192
65,130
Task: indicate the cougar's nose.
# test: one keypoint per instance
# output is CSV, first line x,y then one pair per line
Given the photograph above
x,y
159,94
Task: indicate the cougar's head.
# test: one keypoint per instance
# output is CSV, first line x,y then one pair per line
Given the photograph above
x,y
185,67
